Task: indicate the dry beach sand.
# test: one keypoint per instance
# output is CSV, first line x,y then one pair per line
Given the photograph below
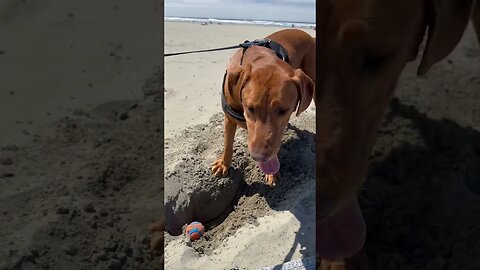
x,y
80,133
421,200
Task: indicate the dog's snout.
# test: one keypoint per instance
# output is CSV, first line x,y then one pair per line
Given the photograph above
x,y
260,157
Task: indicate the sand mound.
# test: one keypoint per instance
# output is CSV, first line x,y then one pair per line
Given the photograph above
x,y
238,201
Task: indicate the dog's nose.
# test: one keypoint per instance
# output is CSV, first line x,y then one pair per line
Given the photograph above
x,y
259,157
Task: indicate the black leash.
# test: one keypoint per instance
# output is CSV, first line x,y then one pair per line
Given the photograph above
x,y
199,51
281,53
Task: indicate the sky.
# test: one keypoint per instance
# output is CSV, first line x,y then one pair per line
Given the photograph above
x,y
266,10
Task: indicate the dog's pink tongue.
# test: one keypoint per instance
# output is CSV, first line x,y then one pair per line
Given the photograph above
x,y
341,235
270,167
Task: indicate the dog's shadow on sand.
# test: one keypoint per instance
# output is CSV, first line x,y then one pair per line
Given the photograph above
x,y
421,200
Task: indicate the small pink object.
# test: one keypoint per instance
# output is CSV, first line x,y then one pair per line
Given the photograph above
x,y
270,167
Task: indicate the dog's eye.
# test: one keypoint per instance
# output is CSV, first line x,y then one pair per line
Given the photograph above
x,y
282,112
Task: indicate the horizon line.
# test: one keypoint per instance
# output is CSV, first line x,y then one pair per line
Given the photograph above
x,y
208,18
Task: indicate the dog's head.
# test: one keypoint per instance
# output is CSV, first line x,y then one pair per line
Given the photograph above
x,y
269,91
362,47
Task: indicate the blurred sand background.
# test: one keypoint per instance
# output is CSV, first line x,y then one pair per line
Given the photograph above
x,y
60,55
81,137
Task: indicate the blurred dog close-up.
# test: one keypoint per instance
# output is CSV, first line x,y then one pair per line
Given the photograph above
x,y
362,48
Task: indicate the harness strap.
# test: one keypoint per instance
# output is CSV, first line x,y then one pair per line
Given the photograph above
x,y
226,108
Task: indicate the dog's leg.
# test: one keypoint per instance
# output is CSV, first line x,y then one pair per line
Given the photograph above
x,y
222,165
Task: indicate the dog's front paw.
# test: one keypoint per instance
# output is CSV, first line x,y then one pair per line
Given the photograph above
x,y
271,179
220,168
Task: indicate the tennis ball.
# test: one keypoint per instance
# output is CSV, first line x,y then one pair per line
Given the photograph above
x,y
195,230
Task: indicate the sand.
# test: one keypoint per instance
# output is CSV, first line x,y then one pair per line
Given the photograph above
x,y
421,197
60,55
262,226
81,137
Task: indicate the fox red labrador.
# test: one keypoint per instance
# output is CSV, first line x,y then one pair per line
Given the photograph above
x,y
264,84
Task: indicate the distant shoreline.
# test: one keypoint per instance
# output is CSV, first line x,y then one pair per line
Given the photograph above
x,y
206,21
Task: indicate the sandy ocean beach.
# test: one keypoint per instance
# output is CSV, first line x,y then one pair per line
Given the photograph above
x,y
268,226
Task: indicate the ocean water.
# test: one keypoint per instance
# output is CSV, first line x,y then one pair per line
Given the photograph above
x,y
250,22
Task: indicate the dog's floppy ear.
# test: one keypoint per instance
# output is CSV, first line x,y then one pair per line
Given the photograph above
x,y
236,79
306,90
446,22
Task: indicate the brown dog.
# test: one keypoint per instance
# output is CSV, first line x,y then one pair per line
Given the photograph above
x,y
266,90
362,47
269,89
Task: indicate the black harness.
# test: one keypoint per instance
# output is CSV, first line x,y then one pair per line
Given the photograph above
x,y
267,43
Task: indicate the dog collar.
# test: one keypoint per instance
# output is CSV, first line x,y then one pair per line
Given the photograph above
x,y
280,52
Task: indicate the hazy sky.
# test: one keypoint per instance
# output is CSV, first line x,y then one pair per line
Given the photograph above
x,y
269,10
